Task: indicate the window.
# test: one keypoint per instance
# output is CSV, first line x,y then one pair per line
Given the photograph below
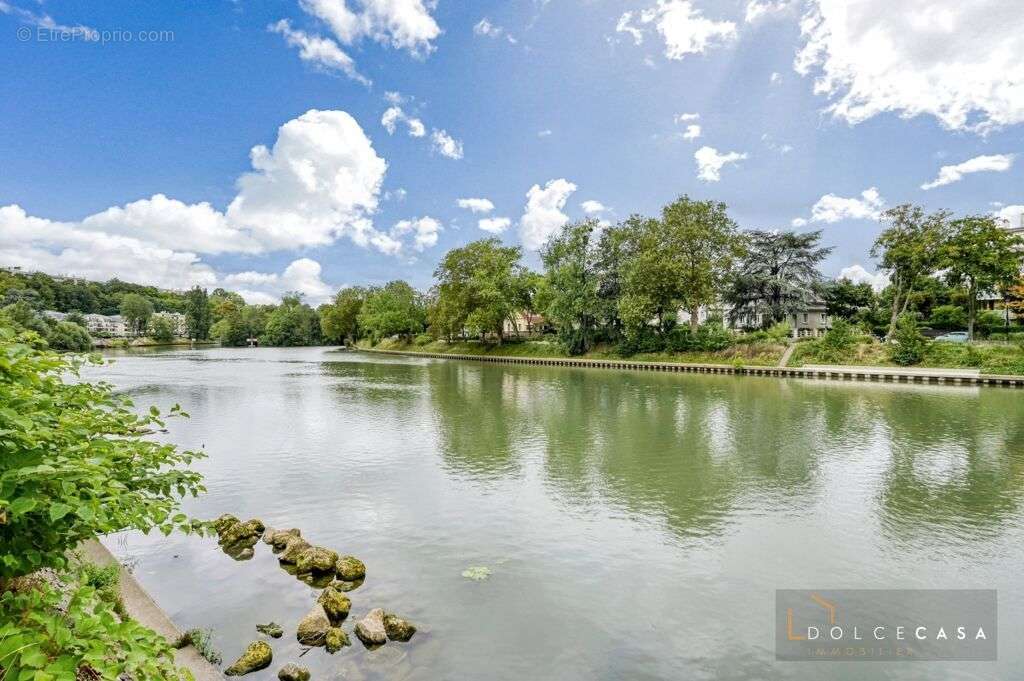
x,y
805,317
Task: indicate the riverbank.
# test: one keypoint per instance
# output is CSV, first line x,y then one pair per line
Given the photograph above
x,y
939,376
144,342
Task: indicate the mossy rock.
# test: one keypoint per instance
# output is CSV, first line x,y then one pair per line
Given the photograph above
x,y
279,539
272,629
293,549
224,522
336,639
316,559
350,569
257,656
312,630
317,580
246,534
293,672
398,629
240,551
335,603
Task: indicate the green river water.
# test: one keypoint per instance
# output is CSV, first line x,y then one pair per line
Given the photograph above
x,y
635,525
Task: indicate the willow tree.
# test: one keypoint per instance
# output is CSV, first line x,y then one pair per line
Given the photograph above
x,y
910,248
779,274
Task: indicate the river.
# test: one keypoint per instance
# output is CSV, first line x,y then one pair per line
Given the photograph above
x,y
635,525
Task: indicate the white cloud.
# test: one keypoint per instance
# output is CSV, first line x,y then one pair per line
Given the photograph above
x,y
446,145
394,97
424,231
684,117
859,275
485,28
590,207
302,275
757,9
958,61
831,208
979,164
47,23
710,162
625,25
321,52
685,30
692,132
543,215
169,223
494,225
775,78
320,181
476,205
799,222
402,24
1012,215
544,133
775,146
394,115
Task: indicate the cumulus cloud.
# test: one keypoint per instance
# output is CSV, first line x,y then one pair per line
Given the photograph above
x,y
446,145
710,162
684,117
322,52
476,205
494,225
1012,216
591,207
692,132
759,9
402,24
424,231
685,30
957,61
302,276
831,208
543,215
320,181
997,163
858,275
395,115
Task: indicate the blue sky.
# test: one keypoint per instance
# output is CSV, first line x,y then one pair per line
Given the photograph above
x,y
132,157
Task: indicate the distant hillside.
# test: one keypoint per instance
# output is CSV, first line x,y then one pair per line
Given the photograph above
x,y
67,294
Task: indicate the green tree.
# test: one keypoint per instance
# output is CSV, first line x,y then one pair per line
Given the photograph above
x,y
76,317
778,276
948,317
68,337
571,300
846,300
909,248
198,314
395,309
982,256
136,311
482,285
292,323
339,319
239,324
161,328
77,462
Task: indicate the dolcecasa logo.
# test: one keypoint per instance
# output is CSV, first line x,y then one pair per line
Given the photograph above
x,y
885,624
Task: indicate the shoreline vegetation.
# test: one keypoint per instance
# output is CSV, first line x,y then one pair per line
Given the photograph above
x,y
990,358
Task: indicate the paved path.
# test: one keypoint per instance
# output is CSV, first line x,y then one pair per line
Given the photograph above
x,y
900,371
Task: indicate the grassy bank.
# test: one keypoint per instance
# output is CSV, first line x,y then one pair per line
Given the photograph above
x,y
752,354
989,357
146,342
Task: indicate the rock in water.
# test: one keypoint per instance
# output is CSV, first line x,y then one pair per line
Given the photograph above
x,y
335,604
247,533
280,538
336,640
273,629
345,587
350,569
224,522
316,559
293,672
397,628
256,657
370,629
293,548
313,627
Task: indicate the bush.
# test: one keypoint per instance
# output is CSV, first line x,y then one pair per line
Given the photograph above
x,y
68,631
69,337
948,318
75,460
907,344
710,337
642,340
161,328
780,332
423,339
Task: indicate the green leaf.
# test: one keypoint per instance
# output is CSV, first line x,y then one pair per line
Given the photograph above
x,y
58,511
